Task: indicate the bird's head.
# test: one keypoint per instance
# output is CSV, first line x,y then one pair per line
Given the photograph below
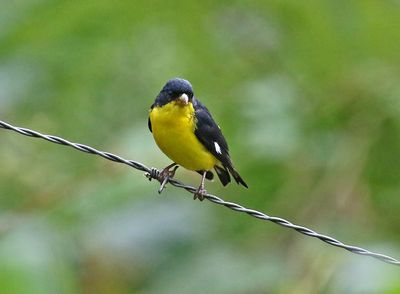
x,y
176,89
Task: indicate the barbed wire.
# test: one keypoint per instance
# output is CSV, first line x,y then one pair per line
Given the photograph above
x,y
153,173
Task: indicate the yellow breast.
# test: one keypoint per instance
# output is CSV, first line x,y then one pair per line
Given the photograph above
x,y
173,128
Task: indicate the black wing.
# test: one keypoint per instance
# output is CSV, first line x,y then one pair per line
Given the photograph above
x,y
148,120
149,124
210,135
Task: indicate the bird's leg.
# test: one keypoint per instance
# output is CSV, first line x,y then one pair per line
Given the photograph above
x,y
200,190
166,174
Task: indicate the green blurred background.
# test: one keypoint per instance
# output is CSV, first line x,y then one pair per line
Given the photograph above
x,y
307,93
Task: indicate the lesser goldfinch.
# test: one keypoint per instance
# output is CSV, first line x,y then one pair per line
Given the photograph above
x,y
185,131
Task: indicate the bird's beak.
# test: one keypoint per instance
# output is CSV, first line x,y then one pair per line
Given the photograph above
x,y
184,99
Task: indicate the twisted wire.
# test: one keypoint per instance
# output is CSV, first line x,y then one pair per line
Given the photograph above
x,y
153,173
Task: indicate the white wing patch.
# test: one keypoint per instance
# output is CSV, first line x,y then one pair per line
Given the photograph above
x,y
217,148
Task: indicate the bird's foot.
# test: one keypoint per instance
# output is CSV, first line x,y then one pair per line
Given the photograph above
x,y
200,193
165,175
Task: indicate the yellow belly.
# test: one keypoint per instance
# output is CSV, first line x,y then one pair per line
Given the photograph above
x,y
173,130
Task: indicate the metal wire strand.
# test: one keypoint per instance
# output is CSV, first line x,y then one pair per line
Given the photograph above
x,y
153,173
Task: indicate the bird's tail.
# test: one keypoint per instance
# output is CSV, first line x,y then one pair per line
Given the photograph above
x,y
223,175
236,176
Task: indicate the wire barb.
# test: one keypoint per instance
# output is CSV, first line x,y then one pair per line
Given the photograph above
x,y
153,173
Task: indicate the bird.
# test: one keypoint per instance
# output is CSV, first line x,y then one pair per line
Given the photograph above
x,y
185,131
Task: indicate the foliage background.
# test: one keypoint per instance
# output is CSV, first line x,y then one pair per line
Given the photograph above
x,y
308,94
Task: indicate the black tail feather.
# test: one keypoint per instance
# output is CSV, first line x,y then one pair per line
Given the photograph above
x,y
237,177
223,175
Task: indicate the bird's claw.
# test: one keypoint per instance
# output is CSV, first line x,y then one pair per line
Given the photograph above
x,y
200,193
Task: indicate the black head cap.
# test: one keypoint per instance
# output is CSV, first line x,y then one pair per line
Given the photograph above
x,y
173,89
